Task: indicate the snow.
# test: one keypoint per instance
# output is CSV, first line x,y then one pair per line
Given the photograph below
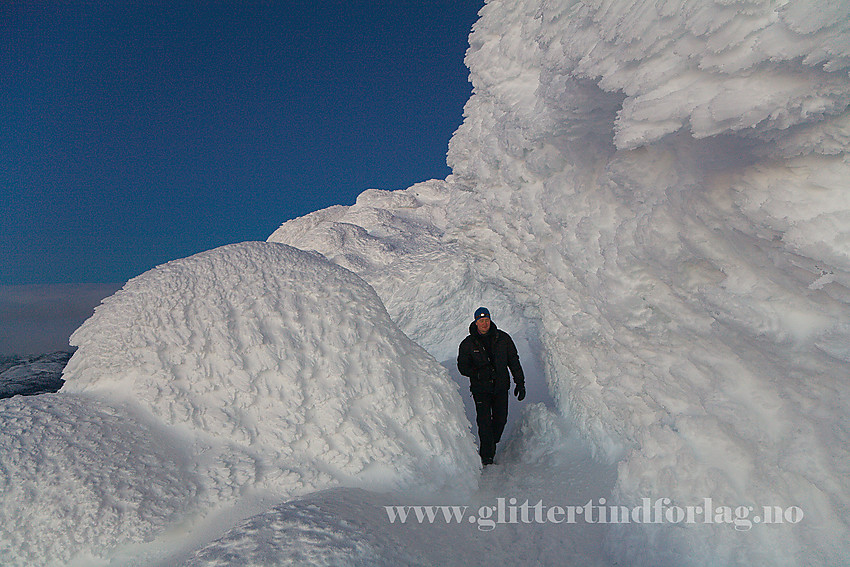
x,y
29,375
251,369
350,526
653,195
650,197
81,477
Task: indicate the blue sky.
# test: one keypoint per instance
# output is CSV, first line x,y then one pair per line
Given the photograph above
x,y
133,134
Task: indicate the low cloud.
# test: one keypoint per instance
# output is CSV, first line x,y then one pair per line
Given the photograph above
x,y
36,319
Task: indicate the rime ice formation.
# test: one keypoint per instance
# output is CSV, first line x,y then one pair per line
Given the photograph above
x,y
656,193
289,361
80,478
651,196
251,368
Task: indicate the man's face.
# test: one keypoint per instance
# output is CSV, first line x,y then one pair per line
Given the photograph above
x,y
483,324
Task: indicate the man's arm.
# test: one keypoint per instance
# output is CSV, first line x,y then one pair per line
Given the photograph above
x,y
516,370
513,363
464,359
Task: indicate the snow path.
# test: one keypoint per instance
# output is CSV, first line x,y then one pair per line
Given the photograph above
x,y
350,526
541,459
567,478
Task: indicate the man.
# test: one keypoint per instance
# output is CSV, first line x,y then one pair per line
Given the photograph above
x,y
484,357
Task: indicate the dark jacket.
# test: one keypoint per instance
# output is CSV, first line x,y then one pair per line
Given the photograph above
x,y
485,360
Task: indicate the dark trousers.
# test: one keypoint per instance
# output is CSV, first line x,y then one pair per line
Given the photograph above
x,y
491,414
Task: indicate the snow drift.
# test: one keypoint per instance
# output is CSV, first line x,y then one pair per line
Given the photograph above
x,y
252,368
656,194
80,477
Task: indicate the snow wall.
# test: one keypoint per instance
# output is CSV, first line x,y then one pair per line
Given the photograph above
x,y
254,368
656,193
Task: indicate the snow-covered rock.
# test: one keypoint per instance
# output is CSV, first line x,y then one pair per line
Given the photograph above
x,y
29,375
340,527
399,241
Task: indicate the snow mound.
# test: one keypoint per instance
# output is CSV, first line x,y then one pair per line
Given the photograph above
x,y
252,369
78,478
342,527
287,364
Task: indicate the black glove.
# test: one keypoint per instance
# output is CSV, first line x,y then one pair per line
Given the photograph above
x,y
519,392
